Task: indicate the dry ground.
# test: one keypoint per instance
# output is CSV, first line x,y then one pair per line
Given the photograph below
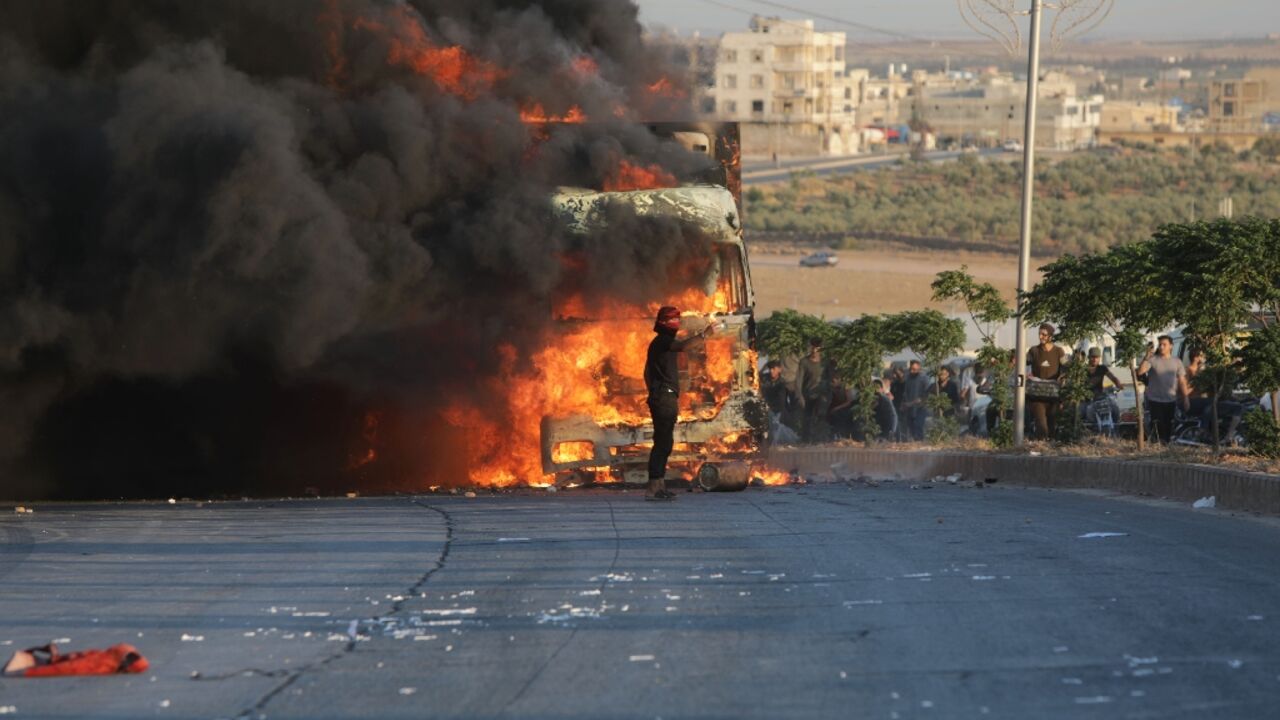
x,y
869,281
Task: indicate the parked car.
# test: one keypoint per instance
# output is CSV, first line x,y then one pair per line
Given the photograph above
x,y
1012,146
819,259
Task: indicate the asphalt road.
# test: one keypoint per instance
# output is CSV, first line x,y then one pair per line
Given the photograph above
x,y
755,173
819,601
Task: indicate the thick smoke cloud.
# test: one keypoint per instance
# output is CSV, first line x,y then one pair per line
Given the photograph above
x,y
228,229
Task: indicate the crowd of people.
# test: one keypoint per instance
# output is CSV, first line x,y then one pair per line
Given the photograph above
x,y
818,405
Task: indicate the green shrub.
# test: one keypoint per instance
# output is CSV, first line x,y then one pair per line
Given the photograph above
x,y
1261,433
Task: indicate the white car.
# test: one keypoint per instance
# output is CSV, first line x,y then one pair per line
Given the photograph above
x,y
1012,146
819,259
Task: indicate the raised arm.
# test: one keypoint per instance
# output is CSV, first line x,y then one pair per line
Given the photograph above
x,y
680,345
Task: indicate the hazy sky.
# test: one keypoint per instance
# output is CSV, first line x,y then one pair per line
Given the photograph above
x,y
1148,19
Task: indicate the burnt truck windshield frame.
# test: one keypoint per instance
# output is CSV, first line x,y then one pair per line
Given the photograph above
x,y
720,418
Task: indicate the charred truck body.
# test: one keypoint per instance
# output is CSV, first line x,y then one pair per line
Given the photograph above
x,y
721,417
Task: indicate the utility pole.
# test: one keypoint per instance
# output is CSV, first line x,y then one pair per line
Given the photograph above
x,y
1024,242
1079,15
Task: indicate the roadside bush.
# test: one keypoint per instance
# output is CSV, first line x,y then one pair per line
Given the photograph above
x,y
1261,433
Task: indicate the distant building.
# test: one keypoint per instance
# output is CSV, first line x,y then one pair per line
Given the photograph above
x,y
1123,116
786,84
1269,76
995,110
1236,105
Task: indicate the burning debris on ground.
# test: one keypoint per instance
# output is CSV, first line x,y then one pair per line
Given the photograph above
x,y
258,247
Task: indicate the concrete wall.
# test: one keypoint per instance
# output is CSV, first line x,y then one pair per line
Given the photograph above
x,y
1234,489
761,140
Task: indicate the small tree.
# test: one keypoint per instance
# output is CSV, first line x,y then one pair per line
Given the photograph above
x,y
786,333
988,311
932,336
1261,370
857,350
1220,271
1112,294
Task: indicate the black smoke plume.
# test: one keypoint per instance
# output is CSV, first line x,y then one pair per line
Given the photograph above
x,y
230,229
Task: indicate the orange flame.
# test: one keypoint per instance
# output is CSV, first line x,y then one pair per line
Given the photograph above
x,y
585,66
771,476
591,369
533,113
665,88
453,69
627,176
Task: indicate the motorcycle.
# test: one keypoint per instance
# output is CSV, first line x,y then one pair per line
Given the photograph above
x,y
1197,430
1102,416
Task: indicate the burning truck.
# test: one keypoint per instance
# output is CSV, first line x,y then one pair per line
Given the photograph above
x,y
721,418
252,261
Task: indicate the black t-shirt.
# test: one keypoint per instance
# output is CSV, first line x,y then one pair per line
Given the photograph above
x,y
952,393
661,372
1096,377
775,392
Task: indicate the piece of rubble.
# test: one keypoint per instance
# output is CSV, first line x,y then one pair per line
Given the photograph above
x,y
1206,502
469,494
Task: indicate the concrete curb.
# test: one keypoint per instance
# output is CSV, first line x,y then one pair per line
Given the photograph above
x,y
1234,489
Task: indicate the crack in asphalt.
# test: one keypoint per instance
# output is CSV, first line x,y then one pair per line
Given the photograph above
x,y
292,675
613,565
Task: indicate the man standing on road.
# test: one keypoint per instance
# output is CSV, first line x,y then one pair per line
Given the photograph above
x,y
915,388
662,379
1045,362
1166,385
813,381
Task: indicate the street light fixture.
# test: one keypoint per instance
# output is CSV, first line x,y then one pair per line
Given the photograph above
x,y
998,20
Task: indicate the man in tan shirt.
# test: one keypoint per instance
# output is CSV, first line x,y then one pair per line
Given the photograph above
x,y
1044,362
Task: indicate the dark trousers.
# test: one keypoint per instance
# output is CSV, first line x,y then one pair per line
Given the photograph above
x,y
916,416
663,408
1045,415
1162,418
814,425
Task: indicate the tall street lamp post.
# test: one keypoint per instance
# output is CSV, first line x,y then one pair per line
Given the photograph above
x,y
1074,17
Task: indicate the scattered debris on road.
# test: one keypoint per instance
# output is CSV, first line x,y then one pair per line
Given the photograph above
x,y
1095,535
1205,502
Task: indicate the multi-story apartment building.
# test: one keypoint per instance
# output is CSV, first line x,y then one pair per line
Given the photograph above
x,y
1236,104
994,110
786,84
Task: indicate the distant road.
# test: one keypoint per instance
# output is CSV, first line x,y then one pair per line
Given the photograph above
x,y
755,172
